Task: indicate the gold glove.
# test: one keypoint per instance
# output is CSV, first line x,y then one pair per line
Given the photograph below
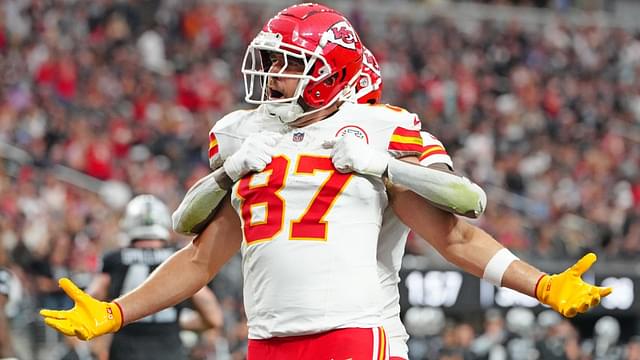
x,y
88,318
567,293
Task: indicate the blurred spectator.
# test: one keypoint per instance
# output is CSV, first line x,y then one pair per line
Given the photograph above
x,y
48,269
559,338
489,344
607,334
632,351
6,345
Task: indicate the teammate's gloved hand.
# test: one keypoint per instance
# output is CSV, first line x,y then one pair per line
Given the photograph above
x,y
87,319
567,293
254,155
353,154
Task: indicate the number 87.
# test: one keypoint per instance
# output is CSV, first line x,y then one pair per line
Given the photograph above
x,y
311,225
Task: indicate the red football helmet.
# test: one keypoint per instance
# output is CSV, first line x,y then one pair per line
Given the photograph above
x,y
316,36
369,85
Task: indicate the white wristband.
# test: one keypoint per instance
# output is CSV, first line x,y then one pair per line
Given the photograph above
x,y
497,266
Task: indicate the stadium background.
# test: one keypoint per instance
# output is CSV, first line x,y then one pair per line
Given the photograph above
x,y
538,101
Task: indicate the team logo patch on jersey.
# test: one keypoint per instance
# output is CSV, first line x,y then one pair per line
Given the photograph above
x,y
298,136
353,130
342,33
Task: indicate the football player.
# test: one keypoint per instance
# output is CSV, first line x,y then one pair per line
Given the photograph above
x,y
147,223
393,235
308,233
368,88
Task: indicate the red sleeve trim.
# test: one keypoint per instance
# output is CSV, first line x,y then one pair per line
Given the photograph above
x,y
121,315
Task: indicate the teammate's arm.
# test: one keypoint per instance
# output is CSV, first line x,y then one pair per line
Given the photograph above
x,y
476,252
201,201
440,186
178,278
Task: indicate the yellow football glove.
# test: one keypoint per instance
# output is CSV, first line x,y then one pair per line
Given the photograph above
x,y
88,318
567,293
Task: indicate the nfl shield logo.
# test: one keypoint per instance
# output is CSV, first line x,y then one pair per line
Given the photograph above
x,y
298,136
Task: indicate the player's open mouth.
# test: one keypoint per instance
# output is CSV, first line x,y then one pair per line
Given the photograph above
x,y
275,94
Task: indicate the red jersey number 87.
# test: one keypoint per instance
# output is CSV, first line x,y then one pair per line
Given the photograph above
x,y
309,226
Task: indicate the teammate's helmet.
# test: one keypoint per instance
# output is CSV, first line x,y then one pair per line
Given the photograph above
x,y
369,85
322,40
146,217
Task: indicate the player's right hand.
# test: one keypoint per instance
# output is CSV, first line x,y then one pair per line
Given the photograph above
x,y
350,153
254,155
87,319
567,293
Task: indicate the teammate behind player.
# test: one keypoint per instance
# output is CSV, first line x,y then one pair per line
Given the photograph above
x,y
310,233
146,223
368,88
393,234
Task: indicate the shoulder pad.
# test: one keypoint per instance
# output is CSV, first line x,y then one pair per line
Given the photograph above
x,y
227,134
393,115
433,151
401,128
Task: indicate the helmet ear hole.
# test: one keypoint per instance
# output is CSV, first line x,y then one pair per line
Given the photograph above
x,y
331,80
323,71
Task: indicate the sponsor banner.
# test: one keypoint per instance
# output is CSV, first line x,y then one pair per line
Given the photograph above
x,y
459,292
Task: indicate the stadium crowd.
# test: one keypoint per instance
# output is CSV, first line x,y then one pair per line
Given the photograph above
x,y
126,91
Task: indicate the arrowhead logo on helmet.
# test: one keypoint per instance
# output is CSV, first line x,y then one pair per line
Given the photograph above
x,y
343,34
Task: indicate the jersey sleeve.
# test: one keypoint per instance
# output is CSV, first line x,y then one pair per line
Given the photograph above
x,y
433,151
225,138
405,139
214,154
405,142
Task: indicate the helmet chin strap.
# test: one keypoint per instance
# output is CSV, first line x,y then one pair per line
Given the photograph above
x,y
285,113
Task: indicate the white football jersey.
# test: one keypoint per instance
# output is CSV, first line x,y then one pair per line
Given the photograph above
x,y
310,233
393,238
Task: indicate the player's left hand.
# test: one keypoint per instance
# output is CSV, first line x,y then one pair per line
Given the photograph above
x,y
567,293
87,319
352,154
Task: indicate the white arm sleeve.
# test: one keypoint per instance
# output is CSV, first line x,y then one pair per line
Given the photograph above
x,y
449,191
198,206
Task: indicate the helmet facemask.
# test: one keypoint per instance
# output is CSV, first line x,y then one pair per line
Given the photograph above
x,y
256,71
